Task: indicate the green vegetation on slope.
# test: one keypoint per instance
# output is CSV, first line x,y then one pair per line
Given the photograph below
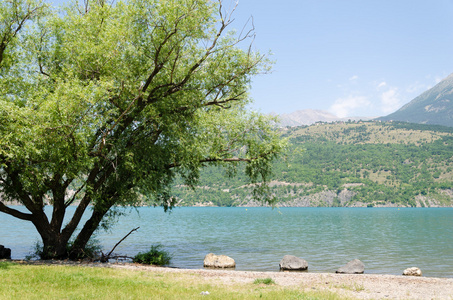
x,y
348,164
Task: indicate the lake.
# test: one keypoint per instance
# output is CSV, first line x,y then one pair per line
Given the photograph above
x,y
386,240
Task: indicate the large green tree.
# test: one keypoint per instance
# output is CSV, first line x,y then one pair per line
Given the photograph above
x,y
104,105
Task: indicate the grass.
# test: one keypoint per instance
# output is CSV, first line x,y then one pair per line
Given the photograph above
x,y
75,282
354,288
5,265
266,281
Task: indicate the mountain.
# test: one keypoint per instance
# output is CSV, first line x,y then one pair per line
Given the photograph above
x,y
435,106
310,116
345,164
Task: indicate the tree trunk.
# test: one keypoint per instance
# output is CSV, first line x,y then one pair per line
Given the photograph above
x,y
54,247
78,249
54,243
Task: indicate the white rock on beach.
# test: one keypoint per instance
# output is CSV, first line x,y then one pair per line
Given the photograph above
x,y
414,271
218,261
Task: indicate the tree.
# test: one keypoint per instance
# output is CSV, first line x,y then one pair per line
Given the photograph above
x,y
104,105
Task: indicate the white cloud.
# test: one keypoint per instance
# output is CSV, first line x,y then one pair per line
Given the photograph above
x,y
382,84
435,79
390,101
417,88
344,107
353,78
438,79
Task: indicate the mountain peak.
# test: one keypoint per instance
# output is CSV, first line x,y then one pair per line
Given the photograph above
x,y
435,106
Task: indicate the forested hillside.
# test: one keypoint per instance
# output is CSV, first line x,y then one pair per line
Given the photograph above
x,y
348,164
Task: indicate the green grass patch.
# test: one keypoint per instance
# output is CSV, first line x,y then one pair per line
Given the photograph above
x,y
5,265
75,282
356,287
266,281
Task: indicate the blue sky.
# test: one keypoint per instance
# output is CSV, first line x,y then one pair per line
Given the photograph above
x,y
349,57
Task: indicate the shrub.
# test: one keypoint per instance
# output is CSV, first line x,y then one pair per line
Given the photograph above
x,y
155,256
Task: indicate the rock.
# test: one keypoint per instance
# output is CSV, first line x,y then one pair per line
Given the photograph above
x,y
353,267
218,261
5,253
293,263
414,271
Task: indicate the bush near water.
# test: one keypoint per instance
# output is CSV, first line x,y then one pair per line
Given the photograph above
x,y
155,256
347,164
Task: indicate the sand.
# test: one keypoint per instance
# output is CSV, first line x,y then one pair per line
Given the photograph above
x,y
360,286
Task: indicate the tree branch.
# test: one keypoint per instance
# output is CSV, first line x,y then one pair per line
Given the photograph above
x,y
105,258
19,190
75,195
212,159
15,213
20,21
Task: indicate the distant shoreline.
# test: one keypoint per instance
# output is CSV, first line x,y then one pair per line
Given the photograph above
x,y
276,206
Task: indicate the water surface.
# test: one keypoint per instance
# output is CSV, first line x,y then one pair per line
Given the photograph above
x,y
387,240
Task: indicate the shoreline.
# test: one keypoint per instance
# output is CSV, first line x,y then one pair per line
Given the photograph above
x,y
359,286
277,205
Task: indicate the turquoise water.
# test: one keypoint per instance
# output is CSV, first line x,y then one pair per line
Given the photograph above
x,y
387,240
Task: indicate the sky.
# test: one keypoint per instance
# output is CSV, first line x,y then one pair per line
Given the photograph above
x,y
349,57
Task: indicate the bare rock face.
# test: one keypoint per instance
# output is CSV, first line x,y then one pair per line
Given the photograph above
x,y
353,267
293,263
414,271
218,261
5,253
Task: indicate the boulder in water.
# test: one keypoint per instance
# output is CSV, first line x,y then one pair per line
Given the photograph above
x,y
353,267
218,261
293,263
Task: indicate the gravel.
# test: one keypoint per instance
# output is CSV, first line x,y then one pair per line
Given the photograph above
x,y
359,286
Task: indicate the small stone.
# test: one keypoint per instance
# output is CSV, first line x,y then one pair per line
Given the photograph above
x,y
204,293
414,271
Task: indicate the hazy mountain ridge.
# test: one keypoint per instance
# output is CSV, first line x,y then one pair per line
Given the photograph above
x,y
310,116
434,106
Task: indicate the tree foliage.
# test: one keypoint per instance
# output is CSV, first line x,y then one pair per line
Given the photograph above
x,y
105,104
